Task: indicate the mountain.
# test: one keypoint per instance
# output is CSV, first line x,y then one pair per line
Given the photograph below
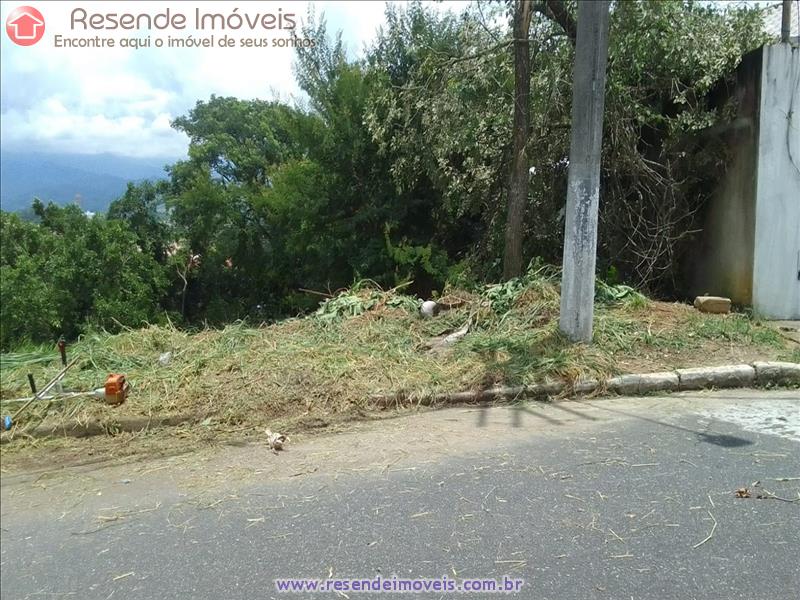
x,y
98,179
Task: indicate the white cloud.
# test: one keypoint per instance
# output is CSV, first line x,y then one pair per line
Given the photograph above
x,y
121,100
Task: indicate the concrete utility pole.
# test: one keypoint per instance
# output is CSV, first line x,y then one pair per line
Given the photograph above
x,y
786,21
583,183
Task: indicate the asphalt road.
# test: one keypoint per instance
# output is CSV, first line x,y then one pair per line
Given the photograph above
x,y
607,499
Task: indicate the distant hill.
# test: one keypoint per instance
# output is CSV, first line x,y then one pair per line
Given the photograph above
x,y
99,179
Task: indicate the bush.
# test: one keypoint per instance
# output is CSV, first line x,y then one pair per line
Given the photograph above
x,y
70,271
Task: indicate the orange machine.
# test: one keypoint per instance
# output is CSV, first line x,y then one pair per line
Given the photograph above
x,y
116,389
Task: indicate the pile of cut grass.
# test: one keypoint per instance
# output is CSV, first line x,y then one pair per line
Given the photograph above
x,y
366,341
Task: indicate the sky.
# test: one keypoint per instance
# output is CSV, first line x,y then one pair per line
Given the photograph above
x,y
121,100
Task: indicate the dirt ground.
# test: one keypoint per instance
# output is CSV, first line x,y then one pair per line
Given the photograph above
x,y
102,469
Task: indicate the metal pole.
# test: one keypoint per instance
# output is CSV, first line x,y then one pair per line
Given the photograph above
x,y
786,21
46,388
62,349
583,182
32,383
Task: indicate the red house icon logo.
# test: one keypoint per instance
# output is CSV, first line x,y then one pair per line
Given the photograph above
x,y
25,26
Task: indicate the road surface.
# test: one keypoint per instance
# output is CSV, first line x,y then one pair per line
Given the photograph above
x,y
607,499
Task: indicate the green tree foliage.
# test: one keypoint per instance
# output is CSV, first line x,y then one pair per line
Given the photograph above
x,y
664,58
215,205
365,200
143,209
72,271
394,167
442,111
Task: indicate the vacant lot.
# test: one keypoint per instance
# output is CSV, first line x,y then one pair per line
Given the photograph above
x,y
325,369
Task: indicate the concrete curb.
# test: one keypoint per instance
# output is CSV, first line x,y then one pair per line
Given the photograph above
x,y
777,373
728,376
108,426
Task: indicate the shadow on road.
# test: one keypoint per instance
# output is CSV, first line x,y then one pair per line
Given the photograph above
x,y
518,411
718,439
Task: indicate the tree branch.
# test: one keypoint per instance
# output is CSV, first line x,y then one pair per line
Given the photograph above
x,y
556,11
451,60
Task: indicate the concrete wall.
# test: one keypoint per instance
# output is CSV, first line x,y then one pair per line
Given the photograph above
x,y
776,262
723,264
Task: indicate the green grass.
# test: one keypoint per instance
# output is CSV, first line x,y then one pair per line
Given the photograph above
x,y
792,355
736,328
25,356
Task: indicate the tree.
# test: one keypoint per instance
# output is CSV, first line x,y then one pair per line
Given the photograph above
x,y
70,272
224,261
239,141
398,166
374,217
143,209
447,118
513,261
28,309
440,115
518,184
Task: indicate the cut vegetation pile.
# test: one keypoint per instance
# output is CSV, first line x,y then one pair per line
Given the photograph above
x,y
366,341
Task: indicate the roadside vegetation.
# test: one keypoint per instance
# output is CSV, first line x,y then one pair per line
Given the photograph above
x,y
394,167
365,342
225,292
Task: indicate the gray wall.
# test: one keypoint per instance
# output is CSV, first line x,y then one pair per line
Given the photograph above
x,y
723,256
776,265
